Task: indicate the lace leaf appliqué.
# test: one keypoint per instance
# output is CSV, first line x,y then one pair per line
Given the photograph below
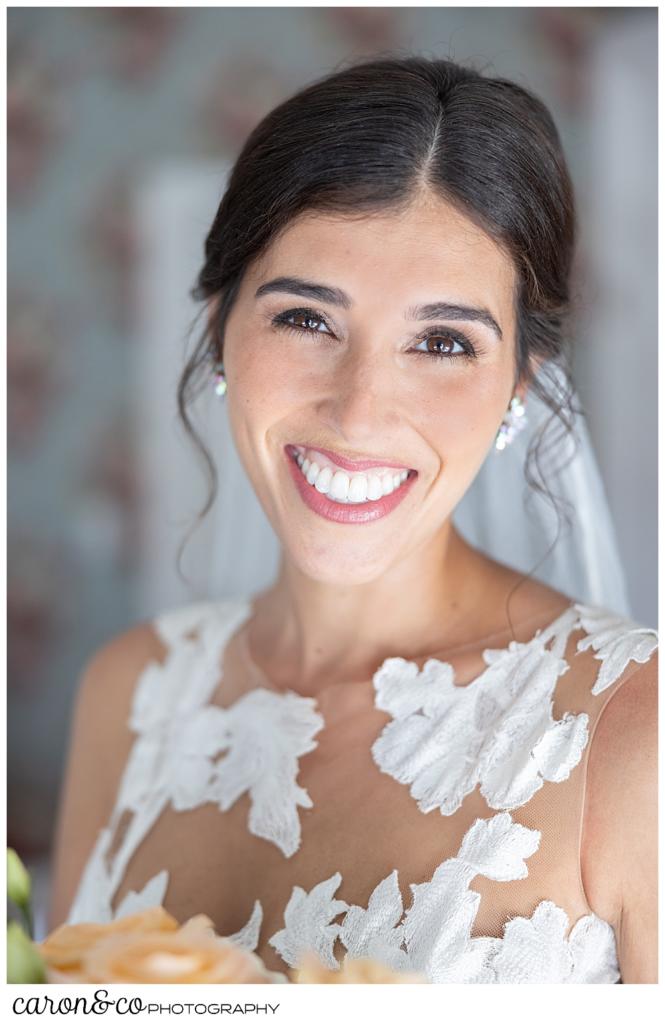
x,y
616,641
438,924
497,731
262,737
248,936
535,949
433,936
189,752
151,895
266,734
376,932
308,926
195,752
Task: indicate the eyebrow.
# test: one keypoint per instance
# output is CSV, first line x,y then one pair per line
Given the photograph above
x,y
337,297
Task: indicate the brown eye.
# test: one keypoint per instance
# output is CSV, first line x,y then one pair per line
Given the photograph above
x,y
301,320
444,344
304,320
438,345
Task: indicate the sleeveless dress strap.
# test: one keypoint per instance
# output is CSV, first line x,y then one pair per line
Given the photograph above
x,y
217,617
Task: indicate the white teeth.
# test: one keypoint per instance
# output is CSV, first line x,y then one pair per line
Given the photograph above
x,y
358,489
339,486
349,487
323,480
374,488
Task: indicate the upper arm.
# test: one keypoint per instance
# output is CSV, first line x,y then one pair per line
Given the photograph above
x,y
620,828
99,743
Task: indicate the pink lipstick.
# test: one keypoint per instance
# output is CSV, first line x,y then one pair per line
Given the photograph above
x,y
362,512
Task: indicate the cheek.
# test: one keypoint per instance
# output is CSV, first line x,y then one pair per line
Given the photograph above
x,y
264,390
461,415
257,387
264,373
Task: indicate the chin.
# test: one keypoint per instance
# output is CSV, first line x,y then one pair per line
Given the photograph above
x,y
332,565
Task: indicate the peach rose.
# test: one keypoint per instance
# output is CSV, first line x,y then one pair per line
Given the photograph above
x,y
165,953
64,949
358,971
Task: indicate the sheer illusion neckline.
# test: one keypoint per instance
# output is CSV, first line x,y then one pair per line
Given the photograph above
x,y
503,739
263,681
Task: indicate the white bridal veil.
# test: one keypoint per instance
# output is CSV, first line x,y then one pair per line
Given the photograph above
x,y
507,519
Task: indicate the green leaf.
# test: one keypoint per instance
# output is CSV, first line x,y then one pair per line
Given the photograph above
x,y
24,964
18,879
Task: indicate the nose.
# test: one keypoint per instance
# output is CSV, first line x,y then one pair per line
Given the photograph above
x,y
362,396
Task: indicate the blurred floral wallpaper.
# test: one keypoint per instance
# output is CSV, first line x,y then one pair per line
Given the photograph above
x,y
94,94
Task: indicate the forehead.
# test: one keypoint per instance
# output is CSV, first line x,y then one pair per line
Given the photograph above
x,y
427,251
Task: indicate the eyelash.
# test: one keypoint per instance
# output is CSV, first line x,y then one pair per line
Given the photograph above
x,y
281,322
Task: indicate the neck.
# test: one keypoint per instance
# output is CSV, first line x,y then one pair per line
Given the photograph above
x,y
307,634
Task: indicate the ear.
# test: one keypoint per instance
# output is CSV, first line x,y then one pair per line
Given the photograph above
x,y
523,384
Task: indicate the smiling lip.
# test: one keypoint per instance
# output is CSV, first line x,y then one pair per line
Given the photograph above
x,y
352,464
362,512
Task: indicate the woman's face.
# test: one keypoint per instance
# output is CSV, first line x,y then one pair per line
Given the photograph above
x,y
338,358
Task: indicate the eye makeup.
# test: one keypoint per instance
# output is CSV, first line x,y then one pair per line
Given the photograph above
x,y
466,350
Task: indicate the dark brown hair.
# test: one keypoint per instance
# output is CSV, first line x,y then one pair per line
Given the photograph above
x,y
365,139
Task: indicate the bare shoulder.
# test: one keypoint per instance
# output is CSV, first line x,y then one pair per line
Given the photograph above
x,y
99,743
623,752
619,833
106,691
109,677
116,664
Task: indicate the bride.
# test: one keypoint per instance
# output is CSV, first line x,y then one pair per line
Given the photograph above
x,y
403,748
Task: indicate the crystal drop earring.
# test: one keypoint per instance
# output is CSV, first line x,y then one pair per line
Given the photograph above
x,y
219,380
513,421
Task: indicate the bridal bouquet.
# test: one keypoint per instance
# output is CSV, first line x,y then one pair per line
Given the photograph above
x,y
153,947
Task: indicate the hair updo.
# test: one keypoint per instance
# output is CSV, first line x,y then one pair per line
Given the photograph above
x,y
366,139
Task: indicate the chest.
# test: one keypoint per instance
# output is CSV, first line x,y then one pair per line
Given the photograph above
x,y
351,819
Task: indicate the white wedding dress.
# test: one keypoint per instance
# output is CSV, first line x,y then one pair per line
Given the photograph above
x,y
462,801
